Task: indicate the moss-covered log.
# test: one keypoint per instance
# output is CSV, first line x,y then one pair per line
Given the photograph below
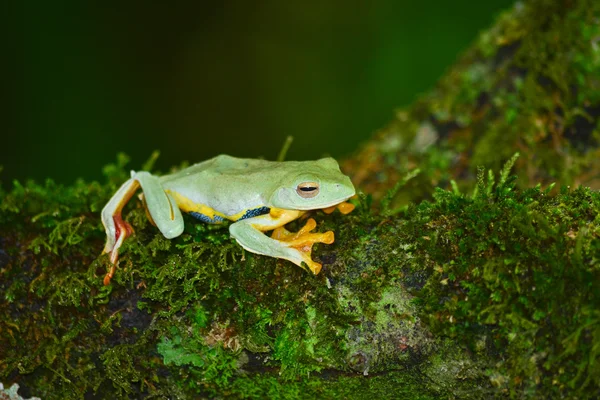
x,y
487,290
467,296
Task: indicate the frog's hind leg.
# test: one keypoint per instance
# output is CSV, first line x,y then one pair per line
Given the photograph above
x,y
294,247
161,206
117,229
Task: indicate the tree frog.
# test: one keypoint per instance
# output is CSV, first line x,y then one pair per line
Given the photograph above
x,y
258,195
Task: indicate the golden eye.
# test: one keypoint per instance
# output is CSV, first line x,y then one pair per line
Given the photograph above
x,y
308,189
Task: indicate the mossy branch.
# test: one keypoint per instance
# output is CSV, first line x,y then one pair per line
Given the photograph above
x,y
494,272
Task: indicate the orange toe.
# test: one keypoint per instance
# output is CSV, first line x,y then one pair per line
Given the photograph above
x,y
345,208
303,241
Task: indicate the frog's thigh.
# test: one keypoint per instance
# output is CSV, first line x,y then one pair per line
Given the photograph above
x,y
249,234
161,206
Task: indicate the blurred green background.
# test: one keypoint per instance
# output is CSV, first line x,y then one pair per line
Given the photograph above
x,y
88,79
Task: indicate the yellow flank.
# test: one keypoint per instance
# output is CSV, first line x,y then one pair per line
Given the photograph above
x,y
276,212
187,205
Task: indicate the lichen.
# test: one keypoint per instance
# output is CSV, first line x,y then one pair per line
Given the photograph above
x,y
12,393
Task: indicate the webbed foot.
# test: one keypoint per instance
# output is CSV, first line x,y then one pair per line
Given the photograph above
x,y
303,241
122,231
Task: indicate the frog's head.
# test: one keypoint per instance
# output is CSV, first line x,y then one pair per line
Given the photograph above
x,y
310,185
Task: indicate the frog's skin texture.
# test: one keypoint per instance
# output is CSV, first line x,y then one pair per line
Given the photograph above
x,y
257,195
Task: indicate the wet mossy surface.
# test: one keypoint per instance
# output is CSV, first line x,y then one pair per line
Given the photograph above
x,y
487,295
487,289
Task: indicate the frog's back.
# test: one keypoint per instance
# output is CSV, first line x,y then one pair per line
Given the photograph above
x,y
225,184
219,168
219,162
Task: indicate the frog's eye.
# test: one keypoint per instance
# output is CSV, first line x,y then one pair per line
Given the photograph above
x,y
308,189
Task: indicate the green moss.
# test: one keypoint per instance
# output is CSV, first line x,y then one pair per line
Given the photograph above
x,y
527,283
195,315
469,296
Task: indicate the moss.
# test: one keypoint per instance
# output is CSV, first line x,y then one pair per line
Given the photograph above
x,y
526,284
195,315
483,295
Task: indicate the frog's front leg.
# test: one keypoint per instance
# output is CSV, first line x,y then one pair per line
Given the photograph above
x,y
295,247
162,208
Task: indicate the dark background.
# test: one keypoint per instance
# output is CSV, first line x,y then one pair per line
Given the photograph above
x,y
87,79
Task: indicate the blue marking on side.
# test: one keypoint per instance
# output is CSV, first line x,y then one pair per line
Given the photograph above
x,y
255,212
217,219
